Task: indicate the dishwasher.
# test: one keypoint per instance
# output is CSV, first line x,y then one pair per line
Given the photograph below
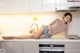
x,y
51,48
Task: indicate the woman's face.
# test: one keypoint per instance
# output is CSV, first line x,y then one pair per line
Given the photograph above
x,y
67,19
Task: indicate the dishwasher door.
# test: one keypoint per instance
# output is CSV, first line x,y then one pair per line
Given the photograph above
x,y
51,48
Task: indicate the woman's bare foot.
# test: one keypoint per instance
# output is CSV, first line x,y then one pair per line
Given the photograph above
x,y
1,38
8,37
33,31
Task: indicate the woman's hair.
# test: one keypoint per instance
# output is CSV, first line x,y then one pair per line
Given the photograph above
x,y
66,14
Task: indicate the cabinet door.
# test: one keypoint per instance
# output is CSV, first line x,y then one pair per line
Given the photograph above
x,y
4,5
63,4
0,45
48,5
77,4
19,5
12,46
35,5
72,47
30,47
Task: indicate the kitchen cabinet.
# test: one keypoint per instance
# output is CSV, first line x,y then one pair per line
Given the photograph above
x,y
30,47
26,6
35,5
77,4
4,6
63,4
1,49
0,45
19,6
12,46
72,47
49,5
38,45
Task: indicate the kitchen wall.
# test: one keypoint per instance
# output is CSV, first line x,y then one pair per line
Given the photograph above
x,y
74,27
20,23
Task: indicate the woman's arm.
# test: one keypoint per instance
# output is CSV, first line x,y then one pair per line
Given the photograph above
x,y
66,32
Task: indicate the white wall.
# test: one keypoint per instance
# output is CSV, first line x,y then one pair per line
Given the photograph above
x,y
19,24
74,27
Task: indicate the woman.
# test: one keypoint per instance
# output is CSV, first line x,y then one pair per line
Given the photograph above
x,y
55,27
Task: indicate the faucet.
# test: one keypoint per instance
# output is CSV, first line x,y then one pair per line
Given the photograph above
x,y
35,25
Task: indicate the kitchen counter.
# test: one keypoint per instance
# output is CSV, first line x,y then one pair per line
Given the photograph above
x,y
28,45
46,39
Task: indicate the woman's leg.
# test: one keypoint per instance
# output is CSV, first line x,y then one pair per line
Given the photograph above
x,y
33,35
18,37
39,33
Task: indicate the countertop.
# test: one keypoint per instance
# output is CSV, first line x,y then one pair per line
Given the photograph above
x,y
46,39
